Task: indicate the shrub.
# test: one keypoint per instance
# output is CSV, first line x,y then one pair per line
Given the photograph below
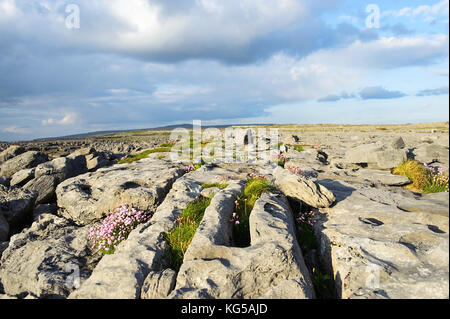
x,y
425,179
185,226
416,172
115,228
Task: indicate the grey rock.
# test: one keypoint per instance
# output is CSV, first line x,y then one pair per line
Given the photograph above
x,y
22,177
272,267
23,161
376,153
398,143
87,198
122,274
16,205
45,259
382,177
62,168
3,181
158,285
302,189
44,209
431,153
11,152
373,249
45,186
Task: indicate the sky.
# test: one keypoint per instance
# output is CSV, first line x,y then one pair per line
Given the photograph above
x,y
69,67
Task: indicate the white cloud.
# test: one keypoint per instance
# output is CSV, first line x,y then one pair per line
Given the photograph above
x,y
68,119
8,8
16,130
427,11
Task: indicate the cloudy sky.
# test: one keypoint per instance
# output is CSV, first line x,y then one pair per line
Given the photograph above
x,y
129,64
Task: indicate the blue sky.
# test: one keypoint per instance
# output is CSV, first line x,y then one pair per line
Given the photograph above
x,y
145,63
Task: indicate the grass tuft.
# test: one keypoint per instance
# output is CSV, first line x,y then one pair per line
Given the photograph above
x,y
180,237
211,185
136,157
253,190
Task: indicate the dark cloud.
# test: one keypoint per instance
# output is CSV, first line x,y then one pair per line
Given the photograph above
x,y
439,91
378,92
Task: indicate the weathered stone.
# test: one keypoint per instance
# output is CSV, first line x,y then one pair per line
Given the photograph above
x,y
62,168
45,186
3,181
382,177
46,258
17,205
44,209
158,285
375,250
376,153
398,143
22,177
23,161
302,189
4,228
86,198
272,267
431,153
11,152
3,246
122,274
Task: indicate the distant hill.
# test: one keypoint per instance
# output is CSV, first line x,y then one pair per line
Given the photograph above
x,y
161,128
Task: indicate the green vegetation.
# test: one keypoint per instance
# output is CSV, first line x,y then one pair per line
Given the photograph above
x,y
322,283
211,185
253,190
298,148
136,157
180,237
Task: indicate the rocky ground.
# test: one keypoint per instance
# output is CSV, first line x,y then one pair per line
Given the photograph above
x,y
375,238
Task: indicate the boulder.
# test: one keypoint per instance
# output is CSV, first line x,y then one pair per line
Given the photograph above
x,y
22,177
44,209
143,184
378,154
62,168
398,143
45,186
17,205
3,181
159,284
11,152
302,189
23,161
431,153
48,260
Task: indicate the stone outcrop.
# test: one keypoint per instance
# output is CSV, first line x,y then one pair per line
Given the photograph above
x,y
17,205
272,267
23,161
122,274
377,154
11,152
86,198
46,259
374,249
302,189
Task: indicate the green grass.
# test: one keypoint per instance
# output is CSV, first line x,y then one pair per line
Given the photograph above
x,y
304,232
211,185
253,190
416,172
322,284
180,237
298,148
136,157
